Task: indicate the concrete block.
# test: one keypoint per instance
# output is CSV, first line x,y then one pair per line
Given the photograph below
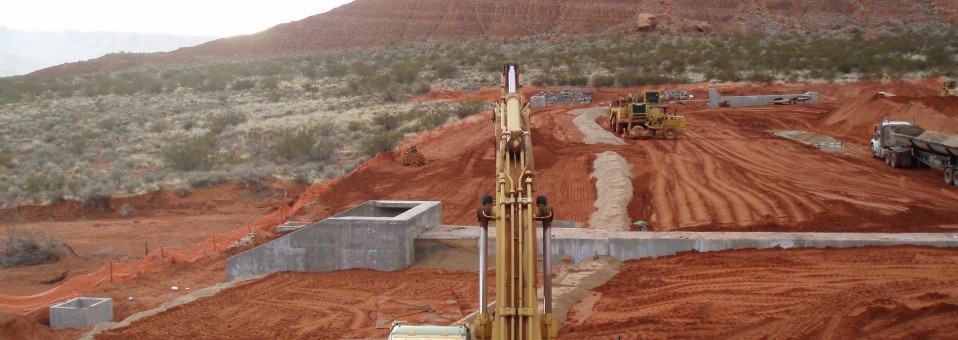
x,y
377,235
81,312
538,101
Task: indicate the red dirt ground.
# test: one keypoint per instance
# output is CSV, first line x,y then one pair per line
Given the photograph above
x,y
726,173
884,293
348,304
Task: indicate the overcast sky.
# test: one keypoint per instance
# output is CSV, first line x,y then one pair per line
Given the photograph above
x,y
217,18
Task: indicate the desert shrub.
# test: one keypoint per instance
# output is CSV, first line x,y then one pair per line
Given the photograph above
x,y
388,121
468,108
446,70
603,81
310,88
76,143
429,120
377,142
306,144
25,249
243,84
190,154
97,193
405,73
126,211
217,123
6,158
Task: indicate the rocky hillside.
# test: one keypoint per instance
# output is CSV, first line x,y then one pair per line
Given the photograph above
x,y
384,22
378,22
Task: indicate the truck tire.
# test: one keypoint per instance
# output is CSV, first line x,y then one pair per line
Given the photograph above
x,y
895,160
949,176
670,133
888,159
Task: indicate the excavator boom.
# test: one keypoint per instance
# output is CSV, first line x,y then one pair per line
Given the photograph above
x,y
515,212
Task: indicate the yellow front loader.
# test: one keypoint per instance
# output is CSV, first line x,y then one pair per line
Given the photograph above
x,y
642,115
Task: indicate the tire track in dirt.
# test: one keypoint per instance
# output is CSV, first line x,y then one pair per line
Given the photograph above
x,y
881,292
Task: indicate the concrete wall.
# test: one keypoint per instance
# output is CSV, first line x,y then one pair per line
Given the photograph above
x,y
738,101
81,312
580,244
376,235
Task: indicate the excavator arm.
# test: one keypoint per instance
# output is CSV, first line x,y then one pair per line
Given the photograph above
x,y
514,212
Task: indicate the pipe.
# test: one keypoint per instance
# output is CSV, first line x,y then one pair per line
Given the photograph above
x,y
483,250
547,270
512,79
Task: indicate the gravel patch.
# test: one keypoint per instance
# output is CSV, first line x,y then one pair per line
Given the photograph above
x,y
614,191
594,134
566,97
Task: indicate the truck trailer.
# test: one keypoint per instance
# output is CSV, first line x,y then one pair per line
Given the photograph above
x,y
903,144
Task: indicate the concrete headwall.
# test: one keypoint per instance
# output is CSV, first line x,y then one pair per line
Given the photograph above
x,y
758,100
376,235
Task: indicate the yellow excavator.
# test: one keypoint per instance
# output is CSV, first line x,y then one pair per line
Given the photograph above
x,y
514,214
516,315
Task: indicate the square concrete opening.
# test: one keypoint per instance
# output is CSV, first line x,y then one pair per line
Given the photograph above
x,y
81,312
377,209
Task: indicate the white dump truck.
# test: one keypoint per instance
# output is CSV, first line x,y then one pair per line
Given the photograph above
x,y
903,144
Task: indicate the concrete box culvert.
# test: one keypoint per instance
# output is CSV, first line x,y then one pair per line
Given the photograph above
x,y
81,312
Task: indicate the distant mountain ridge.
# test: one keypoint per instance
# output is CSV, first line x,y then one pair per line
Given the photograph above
x,y
363,23
22,52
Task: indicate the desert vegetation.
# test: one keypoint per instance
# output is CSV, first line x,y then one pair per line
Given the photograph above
x,y
315,116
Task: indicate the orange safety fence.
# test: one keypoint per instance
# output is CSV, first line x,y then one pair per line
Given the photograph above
x,y
161,258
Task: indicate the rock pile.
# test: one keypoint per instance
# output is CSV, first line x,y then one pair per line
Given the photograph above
x,y
676,94
567,97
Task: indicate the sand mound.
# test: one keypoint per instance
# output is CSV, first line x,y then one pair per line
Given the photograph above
x,y
855,119
614,186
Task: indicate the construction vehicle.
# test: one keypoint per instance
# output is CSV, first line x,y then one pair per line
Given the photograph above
x,y
642,115
402,331
903,144
514,212
949,88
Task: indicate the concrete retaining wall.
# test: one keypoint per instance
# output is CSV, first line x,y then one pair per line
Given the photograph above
x,y
81,312
376,235
580,244
738,101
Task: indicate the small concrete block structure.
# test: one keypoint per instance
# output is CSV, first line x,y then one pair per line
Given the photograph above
x,y
81,312
375,235
538,101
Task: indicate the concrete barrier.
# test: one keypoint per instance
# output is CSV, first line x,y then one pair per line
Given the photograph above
x,y
376,235
758,100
